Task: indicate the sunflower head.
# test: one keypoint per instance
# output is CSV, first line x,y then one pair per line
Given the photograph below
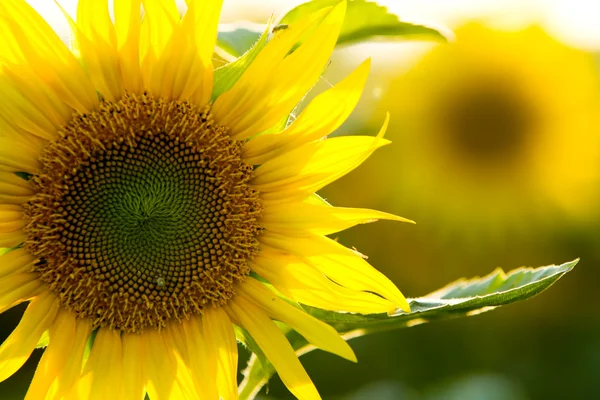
x,y
145,216
494,129
148,221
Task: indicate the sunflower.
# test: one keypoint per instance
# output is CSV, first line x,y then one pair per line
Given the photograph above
x,y
148,221
495,132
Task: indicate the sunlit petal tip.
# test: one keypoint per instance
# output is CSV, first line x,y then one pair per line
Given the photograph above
x,y
402,305
384,127
322,116
17,348
397,218
275,346
315,331
261,98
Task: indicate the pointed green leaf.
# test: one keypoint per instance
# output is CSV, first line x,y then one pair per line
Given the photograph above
x,y
227,75
44,340
366,20
236,39
461,298
244,337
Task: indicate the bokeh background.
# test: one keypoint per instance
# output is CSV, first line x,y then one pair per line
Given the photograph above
x,y
496,156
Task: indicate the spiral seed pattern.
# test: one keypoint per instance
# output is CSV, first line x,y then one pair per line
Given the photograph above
x,y
143,214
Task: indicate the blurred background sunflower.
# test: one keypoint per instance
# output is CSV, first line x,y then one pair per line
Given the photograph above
x,y
495,141
495,156
495,134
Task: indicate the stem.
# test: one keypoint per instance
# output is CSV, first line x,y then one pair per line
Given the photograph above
x,y
255,377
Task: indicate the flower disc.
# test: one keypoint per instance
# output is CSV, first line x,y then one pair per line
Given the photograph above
x,y
143,213
487,123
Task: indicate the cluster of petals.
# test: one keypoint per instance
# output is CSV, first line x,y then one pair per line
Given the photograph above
x,y
44,83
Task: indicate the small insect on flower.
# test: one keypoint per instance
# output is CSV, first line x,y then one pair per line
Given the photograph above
x,y
279,28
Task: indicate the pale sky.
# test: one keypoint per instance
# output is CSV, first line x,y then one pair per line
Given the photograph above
x,y
575,21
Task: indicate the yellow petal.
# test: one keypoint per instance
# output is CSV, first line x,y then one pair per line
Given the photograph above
x,y
316,332
94,21
202,362
195,366
344,266
9,199
103,372
161,19
323,115
127,29
191,42
219,334
316,200
12,239
159,374
64,385
10,212
14,185
314,166
305,284
16,349
301,219
164,369
97,43
60,348
202,29
19,287
178,80
11,217
17,157
133,378
9,129
48,104
274,345
22,112
18,260
14,190
206,18
13,179
32,40
12,226
175,337
276,81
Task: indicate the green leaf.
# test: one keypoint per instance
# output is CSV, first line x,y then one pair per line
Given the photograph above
x,y
256,375
227,75
458,299
366,20
461,298
89,344
44,340
23,175
244,337
237,38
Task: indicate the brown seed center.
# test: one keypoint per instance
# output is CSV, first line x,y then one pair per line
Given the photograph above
x,y
143,214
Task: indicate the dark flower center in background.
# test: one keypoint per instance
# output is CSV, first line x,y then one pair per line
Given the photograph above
x,y
486,123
